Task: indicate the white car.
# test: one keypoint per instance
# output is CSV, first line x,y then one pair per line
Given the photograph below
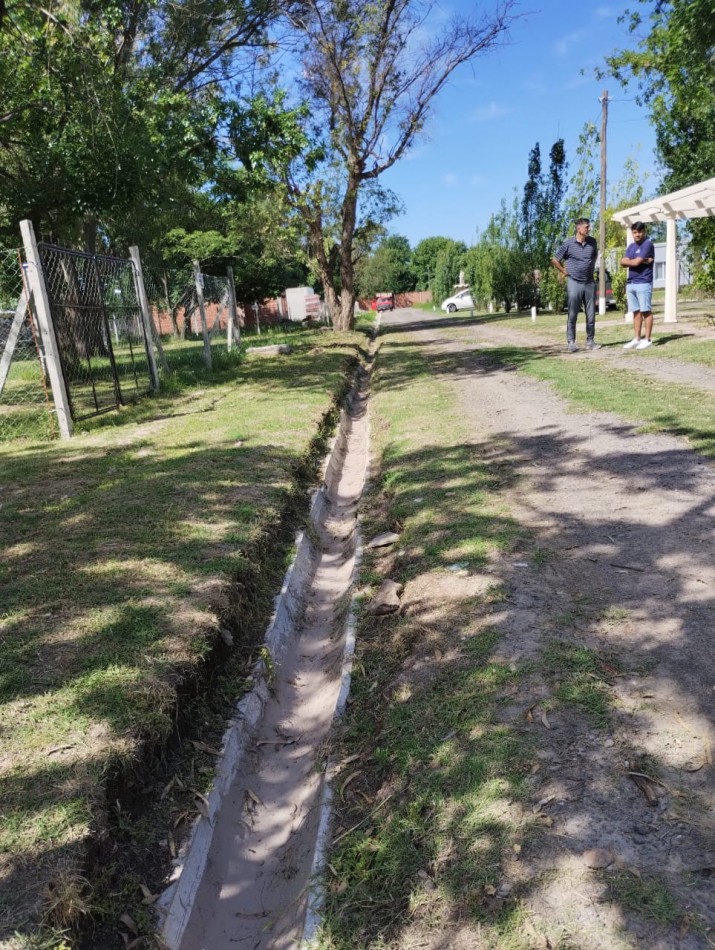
x,y
461,301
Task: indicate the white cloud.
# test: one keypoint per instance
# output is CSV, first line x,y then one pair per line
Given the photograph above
x,y
477,180
490,111
450,180
566,44
606,13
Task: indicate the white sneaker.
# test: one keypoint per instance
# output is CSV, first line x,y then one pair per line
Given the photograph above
x,y
644,344
631,345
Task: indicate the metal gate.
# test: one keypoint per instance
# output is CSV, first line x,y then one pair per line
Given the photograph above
x,y
99,329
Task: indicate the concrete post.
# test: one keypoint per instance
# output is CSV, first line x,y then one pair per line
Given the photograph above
x,y
146,320
12,339
199,280
40,303
671,272
232,310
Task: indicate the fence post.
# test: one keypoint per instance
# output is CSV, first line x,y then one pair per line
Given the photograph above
x,y
199,280
146,320
12,339
40,300
232,310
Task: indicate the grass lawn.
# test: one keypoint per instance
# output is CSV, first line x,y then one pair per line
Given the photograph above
x,y
125,552
431,759
425,796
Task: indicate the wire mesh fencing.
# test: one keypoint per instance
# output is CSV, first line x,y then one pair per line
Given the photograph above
x,y
26,407
176,304
98,326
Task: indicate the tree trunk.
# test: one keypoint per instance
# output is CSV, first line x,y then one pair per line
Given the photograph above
x,y
346,319
171,310
325,271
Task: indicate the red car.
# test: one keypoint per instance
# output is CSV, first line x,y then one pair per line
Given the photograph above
x,y
384,302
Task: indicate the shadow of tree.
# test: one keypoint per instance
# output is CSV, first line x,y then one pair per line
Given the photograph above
x,y
125,551
454,761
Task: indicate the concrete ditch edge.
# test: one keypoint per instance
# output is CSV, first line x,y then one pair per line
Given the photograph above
x,y
175,904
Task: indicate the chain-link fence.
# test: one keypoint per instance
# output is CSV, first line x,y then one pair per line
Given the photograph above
x,y
176,303
98,326
26,408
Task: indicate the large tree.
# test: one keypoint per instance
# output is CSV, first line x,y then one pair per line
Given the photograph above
x,y
424,260
387,269
542,221
674,67
496,264
370,73
112,111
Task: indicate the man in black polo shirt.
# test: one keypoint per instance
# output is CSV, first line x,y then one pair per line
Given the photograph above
x,y
575,260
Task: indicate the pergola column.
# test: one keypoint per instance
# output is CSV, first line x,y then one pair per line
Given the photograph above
x,y
671,272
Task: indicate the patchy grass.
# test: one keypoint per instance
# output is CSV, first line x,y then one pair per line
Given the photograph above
x,y
655,405
580,678
427,817
646,896
126,550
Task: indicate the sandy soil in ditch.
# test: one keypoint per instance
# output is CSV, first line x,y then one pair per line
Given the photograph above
x,y
624,524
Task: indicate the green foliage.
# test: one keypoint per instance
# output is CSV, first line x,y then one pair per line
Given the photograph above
x,y
424,260
542,224
673,64
388,269
582,197
448,263
495,266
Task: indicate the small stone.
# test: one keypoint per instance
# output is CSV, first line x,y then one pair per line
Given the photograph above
x,y
387,599
382,540
598,858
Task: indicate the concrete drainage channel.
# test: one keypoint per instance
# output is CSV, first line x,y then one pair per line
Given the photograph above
x,y
247,877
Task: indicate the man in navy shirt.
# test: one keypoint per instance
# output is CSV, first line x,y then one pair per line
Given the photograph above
x,y
575,260
639,286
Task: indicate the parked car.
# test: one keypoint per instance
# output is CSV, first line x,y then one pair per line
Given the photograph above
x,y
610,301
461,301
384,302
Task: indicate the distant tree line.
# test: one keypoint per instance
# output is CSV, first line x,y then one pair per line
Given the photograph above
x,y
170,124
508,266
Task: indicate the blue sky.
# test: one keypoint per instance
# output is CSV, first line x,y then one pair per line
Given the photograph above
x,y
538,88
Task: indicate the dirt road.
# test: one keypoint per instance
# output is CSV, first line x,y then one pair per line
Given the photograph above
x,y
623,523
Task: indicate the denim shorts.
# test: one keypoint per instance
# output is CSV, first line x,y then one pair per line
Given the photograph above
x,y
639,297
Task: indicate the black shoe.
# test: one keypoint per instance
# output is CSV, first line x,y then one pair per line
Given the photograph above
x,y
572,348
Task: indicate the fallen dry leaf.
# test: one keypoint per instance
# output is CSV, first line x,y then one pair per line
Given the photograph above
x,y
167,788
347,781
254,798
651,788
149,898
203,747
128,922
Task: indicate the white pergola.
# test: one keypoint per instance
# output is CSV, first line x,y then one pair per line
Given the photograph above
x,y
697,201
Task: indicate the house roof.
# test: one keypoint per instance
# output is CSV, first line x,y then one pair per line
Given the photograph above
x,y
697,201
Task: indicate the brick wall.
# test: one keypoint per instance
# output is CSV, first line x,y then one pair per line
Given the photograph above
x,y
407,299
269,313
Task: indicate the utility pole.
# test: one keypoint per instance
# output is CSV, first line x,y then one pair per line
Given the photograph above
x,y
602,212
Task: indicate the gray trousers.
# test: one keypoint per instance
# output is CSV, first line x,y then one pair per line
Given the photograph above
x,y
581,293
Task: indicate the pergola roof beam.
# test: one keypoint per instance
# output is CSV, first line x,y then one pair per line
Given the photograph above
x,y
696,201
